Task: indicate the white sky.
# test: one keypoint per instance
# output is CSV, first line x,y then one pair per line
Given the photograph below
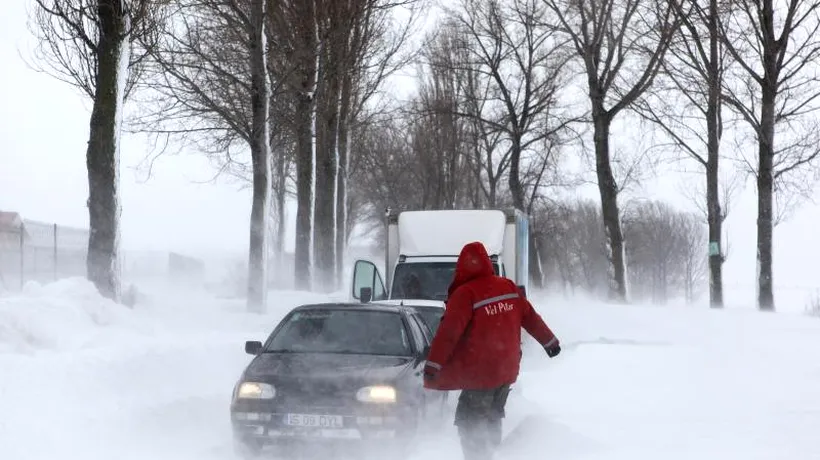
x,y
43,135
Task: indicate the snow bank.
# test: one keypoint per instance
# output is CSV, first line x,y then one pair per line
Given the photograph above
x,y
150,382
65,315
70,315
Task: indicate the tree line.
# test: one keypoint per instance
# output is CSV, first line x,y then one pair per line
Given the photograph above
x,y
289,96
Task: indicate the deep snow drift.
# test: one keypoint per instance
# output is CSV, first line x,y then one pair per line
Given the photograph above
x,y
83,378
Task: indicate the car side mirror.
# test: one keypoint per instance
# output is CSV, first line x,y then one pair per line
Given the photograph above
x,y
523,290
253,347
365,294
423,354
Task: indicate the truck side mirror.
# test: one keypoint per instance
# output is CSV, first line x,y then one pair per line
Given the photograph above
x,y
523,290
365,294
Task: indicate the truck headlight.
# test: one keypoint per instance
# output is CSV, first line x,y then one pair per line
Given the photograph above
x,y
377,394
255,390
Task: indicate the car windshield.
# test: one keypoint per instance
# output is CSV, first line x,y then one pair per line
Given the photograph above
x,y
424,280
342,331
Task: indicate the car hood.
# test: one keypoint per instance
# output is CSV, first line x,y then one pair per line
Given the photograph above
x,y
327,366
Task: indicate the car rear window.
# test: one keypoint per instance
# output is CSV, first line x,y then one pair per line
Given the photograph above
x,y
342,331
431,316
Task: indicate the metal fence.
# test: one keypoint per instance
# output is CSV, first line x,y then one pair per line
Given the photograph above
x,y
41,252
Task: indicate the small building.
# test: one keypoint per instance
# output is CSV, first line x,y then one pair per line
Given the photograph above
x,y
11,227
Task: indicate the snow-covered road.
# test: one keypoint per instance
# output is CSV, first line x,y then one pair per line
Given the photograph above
x,y
82,379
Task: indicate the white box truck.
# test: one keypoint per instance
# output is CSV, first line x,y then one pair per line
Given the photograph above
x,y
424,246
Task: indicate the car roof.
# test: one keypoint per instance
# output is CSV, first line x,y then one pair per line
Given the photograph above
x,y
418,303
428,308
377,307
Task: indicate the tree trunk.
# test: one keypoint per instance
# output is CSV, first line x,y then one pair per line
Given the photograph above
x,y
324,236
536,273
609,206
492,200
308,42
260,158
765,201
304,190
713,127
344,165
281,194
516,188
102,155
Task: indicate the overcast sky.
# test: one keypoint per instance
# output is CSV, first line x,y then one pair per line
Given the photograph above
x,y
43,136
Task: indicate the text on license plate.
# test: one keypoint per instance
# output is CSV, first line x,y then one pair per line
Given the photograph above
x,y
310,420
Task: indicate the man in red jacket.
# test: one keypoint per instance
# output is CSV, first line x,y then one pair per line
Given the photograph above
x,y
477,348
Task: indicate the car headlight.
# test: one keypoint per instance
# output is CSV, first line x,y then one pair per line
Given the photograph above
x,y
377,394
255,390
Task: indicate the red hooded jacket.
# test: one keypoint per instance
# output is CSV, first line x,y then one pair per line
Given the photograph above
x,y
478,343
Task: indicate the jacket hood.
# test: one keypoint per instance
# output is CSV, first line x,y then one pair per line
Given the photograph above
x,y
473,262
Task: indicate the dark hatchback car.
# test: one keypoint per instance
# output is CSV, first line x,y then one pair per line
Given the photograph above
x,y
337,373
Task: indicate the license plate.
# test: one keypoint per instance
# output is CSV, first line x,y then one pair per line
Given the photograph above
x,y
314,421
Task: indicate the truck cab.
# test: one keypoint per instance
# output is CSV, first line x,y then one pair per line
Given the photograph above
x,y
423,247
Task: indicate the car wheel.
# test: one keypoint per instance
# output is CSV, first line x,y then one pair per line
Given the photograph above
x,y
247,448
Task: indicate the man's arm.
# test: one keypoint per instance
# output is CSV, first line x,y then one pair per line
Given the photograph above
x,y
532,322
459,311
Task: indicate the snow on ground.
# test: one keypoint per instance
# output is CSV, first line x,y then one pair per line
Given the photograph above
x,y
83,378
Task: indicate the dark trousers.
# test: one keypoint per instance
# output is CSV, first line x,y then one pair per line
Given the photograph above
x,y
478,418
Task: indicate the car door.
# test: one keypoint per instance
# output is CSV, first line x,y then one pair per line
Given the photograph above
x,y
419,344
440,396
434,399
367,276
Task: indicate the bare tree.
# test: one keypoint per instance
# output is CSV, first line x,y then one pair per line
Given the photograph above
x,y
438,133
512,44
686,105
198,79
210,84
283,146
573,243
621,44
199,73
776,46
260,157
384,171
68,33
695,266
375,49
334,24
352,53
89,45
447,53
663,246
296,41
352,37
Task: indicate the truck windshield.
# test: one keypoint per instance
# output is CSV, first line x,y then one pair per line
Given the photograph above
x,y
424,280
